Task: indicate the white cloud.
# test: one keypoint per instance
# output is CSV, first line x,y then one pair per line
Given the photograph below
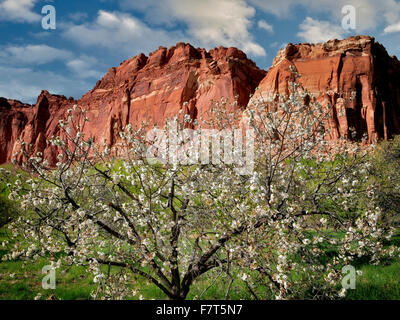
x,y
19,11
279,8
370,14
78,16
393,28
121,32
209,22
84,67
315,31
262,24
24,73
33,54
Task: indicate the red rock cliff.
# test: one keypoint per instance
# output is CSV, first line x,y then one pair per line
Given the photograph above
x,y
356,76
31,124
142,89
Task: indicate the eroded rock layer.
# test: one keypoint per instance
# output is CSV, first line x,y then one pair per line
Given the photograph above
x,y
356,76
142,89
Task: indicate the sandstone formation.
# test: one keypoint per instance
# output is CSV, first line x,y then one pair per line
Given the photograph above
x,y
31,124
142,89
356,76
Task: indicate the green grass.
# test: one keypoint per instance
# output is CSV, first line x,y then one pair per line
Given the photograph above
x,y
26,283
377,283
74,283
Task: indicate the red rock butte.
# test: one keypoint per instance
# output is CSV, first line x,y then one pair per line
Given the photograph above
x,y
356,76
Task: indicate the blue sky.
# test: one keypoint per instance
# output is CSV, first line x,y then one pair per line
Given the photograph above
x,y
92,36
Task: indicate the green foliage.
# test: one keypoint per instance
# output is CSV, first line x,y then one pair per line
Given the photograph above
x,y
385,172
377,283
8,209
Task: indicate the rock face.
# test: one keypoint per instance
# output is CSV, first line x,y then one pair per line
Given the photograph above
x,y
142,89
31,124
356,76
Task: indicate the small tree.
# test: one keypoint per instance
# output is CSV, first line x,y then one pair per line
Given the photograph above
x,y
290,225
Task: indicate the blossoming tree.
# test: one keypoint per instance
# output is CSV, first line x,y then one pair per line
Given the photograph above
x,y
285,230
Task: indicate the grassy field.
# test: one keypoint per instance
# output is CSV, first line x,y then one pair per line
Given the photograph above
x,y
23,281
73,283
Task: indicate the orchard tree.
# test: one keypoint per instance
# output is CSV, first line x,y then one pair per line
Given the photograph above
x,y
289,225
313,207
